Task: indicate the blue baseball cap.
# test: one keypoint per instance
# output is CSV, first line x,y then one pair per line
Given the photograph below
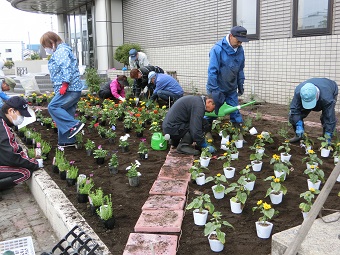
x,y
308,95
133,54
240,33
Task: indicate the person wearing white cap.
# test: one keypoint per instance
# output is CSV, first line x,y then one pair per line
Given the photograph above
x,y
15,165
316,94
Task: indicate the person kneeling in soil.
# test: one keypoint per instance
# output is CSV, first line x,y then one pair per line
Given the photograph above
x,y
141,80
114,89
166,87
185,124
316,94
15,165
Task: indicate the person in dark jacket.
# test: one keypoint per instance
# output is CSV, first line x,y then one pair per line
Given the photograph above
x,y
15,165
185,124
315,94
141,79
225,71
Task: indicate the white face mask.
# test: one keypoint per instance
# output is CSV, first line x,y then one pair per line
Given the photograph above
x,y
18,120
49,51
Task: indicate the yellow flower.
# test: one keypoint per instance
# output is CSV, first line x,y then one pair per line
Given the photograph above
x,y
142,103
227,143
267,206
273,177
286,141
225,154
259,202
312,190
209,140
338,144
312,166
248,166
196,161
277,180
218,175
311,152
154,123
164,106
259,136
130,99
276,157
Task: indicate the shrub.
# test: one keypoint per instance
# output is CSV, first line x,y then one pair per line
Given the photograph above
x,y
93,80
9,64
122,52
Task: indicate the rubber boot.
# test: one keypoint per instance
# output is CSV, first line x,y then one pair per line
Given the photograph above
x,y
295,139
185,146
6,183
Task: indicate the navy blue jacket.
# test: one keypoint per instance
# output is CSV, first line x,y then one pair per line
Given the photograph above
x,y
326,103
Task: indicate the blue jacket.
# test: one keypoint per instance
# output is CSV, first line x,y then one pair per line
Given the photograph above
x,y
225,71
168,83
63,67
3,96
326,103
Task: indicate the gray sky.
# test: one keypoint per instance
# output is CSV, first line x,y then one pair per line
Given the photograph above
x,y
23,26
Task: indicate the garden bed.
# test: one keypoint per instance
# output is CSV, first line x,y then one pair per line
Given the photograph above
x,y
128,201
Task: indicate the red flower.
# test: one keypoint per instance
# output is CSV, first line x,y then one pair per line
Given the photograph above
x,y
137,115
96,124
155,111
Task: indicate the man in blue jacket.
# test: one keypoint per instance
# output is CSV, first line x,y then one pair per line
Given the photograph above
x,y
225,72
316,94
165,87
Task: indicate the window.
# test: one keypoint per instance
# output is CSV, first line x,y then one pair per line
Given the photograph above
x,y
8,50
246,14
312,17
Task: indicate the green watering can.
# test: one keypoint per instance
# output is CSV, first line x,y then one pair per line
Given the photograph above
x,y
227,109
159,142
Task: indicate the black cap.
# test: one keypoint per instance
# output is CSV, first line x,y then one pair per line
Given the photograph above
x,y
240,33
19,104
218,98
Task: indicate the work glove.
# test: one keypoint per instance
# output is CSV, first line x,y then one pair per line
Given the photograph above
x,y
240,90
145,89
205,145
299,129
121,98
63,88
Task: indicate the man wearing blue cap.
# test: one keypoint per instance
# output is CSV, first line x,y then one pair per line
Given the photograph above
x,y
316,94
137,59
225,72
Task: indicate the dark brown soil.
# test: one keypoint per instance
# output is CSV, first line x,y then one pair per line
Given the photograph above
x,y
127,201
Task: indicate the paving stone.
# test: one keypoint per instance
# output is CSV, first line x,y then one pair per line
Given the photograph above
x,y
169,187
164,202
174,173
160,221
140,244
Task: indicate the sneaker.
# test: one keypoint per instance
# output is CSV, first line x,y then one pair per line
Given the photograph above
x,y
64,145
76,129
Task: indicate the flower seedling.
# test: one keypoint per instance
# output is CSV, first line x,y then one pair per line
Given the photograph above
x,y
216,224
266,210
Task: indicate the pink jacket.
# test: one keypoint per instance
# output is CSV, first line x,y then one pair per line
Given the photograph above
x,y
117,90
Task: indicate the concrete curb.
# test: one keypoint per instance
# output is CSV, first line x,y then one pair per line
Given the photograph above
x,y
59,211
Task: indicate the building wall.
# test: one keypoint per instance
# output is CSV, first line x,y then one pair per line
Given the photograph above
x,y
178,35
16,48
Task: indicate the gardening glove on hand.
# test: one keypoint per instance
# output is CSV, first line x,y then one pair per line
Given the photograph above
x,y
63,88
121,98
211,148
240,90
299,129
145,89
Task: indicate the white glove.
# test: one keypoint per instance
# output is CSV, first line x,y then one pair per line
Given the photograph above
x,y
145,89
121,98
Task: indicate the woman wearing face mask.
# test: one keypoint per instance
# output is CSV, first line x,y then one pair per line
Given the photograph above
x,y
65,76
15,165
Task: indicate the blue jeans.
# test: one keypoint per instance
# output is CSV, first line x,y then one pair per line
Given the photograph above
x,y
62,109
163,94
